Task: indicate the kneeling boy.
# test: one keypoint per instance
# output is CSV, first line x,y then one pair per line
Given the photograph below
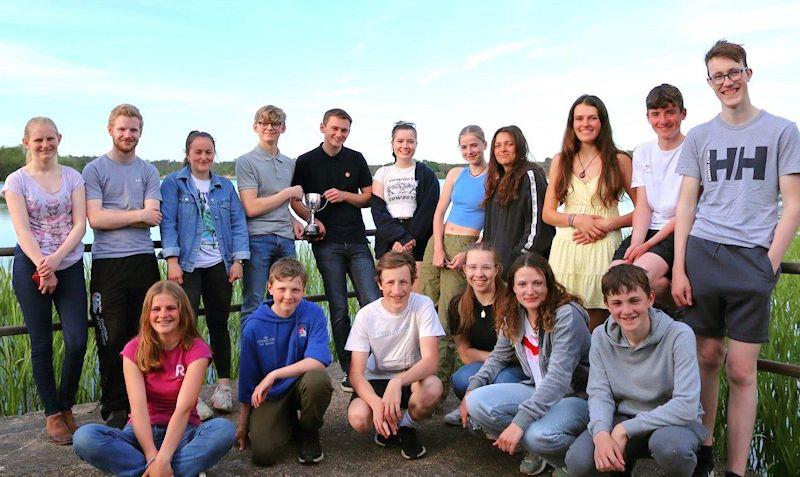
x,y
395,355
282,370
644,385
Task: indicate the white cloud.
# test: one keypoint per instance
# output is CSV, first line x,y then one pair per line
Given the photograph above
x,y
433,75
477,58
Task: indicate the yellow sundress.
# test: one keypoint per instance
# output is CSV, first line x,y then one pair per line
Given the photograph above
x,y
581,267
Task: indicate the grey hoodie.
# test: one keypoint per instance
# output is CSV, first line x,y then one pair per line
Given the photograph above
x,y
657,383
563,361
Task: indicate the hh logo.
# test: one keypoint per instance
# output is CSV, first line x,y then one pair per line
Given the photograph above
x,y
301,331
735,160
180,371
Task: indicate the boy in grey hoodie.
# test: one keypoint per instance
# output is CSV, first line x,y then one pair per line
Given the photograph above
x,y
644,385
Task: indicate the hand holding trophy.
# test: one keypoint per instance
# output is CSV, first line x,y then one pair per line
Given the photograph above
x,y
312,202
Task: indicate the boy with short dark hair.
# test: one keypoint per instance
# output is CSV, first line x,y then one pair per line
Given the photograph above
x,y
644,385
729,242
342,177
651,245
282,370
395,355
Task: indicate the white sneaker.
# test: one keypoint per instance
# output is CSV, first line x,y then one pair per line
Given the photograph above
x,y
453,418
203,410
532,464
221,400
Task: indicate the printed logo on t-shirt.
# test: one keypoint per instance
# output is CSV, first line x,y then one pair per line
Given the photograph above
x,y
180,370
734,159
301,331
266,341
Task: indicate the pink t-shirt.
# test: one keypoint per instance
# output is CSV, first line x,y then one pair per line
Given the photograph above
x,y
162,386
49,213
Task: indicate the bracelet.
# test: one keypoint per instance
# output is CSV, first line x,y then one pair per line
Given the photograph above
x,y
571,220
149,462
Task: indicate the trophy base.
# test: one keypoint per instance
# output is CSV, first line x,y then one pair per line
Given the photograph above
x,y
311,233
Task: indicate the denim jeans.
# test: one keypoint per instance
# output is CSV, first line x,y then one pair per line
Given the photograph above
x,y
460,379
335,262
37,310
494,406
212,284
264,251
117,450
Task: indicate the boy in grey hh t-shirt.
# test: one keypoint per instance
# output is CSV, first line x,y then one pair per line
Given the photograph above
x,y
729,243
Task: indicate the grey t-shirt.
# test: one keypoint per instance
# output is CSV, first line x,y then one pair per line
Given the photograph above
x,y
121,187
269,174
738,168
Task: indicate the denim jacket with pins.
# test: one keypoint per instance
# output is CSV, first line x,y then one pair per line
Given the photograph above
x,y
182,225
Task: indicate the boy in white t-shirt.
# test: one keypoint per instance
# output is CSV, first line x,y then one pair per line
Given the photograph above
x,y
657,185
395,355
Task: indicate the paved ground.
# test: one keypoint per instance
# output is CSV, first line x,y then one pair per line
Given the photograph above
x,y
25,451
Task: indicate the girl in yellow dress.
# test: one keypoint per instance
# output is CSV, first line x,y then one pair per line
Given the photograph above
x,y
588,177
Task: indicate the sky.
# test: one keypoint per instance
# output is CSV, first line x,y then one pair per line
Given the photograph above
x,y
442,65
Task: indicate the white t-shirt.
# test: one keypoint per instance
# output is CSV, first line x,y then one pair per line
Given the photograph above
x,y
531,344
399,190
654,170
393,339
208,255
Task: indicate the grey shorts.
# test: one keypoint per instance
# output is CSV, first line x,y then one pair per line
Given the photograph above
x,y
731,288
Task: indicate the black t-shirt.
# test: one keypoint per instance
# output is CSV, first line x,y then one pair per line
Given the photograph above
x,y
316,171
482,335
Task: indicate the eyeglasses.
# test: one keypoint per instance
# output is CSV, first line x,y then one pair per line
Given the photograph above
x,y
483,268
405,123
267,125
733,75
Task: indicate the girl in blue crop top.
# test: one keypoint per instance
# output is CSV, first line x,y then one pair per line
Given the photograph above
x,y
440,275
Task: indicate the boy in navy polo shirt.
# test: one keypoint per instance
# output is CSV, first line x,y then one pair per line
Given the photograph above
x,y
342,177
282,370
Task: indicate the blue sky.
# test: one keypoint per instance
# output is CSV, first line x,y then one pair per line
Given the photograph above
x,y
442,65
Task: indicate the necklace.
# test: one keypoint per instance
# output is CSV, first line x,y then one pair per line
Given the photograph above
x,y
479,172
583,172
483,312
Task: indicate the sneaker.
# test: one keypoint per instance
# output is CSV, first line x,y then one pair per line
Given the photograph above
x,y
705,462
346,386
221,400
411,446
532,464
118,419
203,411
391,441
560,472
310,449
453,418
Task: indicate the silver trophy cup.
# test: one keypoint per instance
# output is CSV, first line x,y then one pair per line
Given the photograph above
x,y
313,203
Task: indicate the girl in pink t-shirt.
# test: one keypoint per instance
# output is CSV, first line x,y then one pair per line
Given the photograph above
x,y
47,205
164,368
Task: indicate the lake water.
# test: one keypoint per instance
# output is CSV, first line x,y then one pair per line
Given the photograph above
x,y
9,239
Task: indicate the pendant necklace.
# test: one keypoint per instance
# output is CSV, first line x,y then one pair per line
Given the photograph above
x,y
483,312
583,172
479,173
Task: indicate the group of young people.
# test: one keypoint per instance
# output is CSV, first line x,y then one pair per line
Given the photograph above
x,y
523,298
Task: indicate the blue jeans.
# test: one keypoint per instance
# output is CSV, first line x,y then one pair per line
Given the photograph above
x,y
264,251
460,379
117,451
494,406
37,310
335,262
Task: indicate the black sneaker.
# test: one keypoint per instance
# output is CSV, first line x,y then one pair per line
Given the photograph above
x,y
411,446
705,462
310,451
391,441
346,386
118,419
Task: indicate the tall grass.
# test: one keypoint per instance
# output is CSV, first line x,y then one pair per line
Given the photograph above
x,y
17,390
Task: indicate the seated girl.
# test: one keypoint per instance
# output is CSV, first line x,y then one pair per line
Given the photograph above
x,y
164,368
472,319
546,329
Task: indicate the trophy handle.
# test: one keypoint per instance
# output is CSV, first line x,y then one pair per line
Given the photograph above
x,y
326,203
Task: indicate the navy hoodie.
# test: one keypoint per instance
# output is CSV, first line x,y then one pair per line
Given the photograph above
x,y
270,342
